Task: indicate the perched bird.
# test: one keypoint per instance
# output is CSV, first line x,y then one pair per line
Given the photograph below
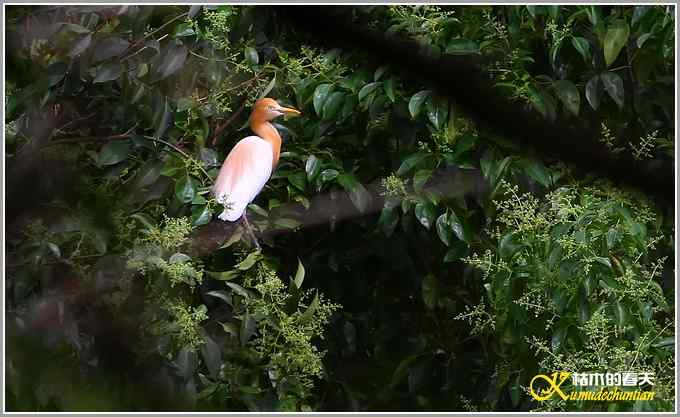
x,y
250,163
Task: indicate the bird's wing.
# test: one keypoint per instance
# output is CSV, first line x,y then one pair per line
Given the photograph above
x,y
242,176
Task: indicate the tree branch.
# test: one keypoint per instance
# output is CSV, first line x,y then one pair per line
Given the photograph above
x,y
224,125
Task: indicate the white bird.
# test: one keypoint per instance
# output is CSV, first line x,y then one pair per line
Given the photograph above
x,y
250,163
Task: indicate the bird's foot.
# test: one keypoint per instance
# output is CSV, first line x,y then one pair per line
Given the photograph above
x,y
250,232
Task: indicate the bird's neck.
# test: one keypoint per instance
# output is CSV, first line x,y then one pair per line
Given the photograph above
x,y
268,132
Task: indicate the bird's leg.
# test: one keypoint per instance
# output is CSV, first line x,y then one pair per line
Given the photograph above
x,y
250,231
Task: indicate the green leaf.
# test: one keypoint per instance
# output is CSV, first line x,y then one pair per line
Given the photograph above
x,y
287,223
458,227
388,220
194,9
508,245
582,46
420,179
299,275
139,93
248,327
252,58
458,250
222,295
224,275
603,261
212,357
230,328
500,169
638,230
298,179
437,110
666,342
430,291
443,229
172,61
368,89
614,40
73,28
186,103
249,261
463,145
238,289
55,73
638,13
536,170
199,200
389,88
179,257
80,46
593,92
379,72
416,102
185,189
108,72
110,47
182,30
612,237
402,370
410,162
201,215
568,94
642,39
329,175
359,195
54,249
258,210
113,152
313,306
424,212
542,102
312,167
620,314
535,10
186,362
558,337
268,88
145,220
320,95
332,106
487,162
553,10
613,85
164,120
515,391
460,46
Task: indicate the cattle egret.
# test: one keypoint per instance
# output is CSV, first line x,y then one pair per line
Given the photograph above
x,y
250,163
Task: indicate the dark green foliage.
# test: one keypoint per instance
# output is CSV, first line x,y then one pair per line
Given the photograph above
x,y
405,248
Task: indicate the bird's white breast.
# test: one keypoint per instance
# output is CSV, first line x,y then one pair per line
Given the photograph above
x,y
243,175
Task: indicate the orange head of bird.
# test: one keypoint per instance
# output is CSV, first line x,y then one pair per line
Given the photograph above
x,y
267,109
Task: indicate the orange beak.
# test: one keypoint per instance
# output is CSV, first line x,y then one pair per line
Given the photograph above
x,y
289,111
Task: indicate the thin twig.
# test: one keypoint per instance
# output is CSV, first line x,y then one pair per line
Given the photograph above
x,y
186,155
150,34
68,260
125,136
92,138
208,59
73,122
223,126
